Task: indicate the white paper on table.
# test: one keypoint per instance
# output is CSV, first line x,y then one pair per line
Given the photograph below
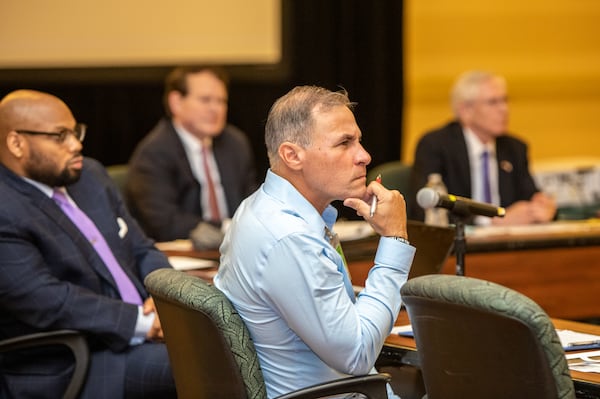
x,y
584,361
190,263
570,338
405,330
176,245
349,230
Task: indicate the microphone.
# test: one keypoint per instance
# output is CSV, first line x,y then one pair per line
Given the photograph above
x,y
429,198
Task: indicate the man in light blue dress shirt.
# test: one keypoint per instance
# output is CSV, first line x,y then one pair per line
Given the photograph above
x,y
278,266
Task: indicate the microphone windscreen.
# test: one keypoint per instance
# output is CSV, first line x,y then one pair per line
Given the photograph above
x,y
427,198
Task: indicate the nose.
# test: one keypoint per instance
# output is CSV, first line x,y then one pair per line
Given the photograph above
x,y
73,143
363,157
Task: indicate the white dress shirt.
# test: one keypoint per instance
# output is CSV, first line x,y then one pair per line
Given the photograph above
x,y
193,150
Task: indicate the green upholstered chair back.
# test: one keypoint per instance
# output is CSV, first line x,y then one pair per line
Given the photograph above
x,y
211,352
395,175
210,349
478,339
118,174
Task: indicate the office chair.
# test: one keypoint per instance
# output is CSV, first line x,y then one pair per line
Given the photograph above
x,y
118,174
75,341
212,354
477,339
395,175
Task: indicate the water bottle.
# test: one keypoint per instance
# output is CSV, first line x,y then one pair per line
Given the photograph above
x,y
436,216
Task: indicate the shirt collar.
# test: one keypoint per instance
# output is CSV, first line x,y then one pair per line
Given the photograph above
x,y
475,145
188,139
278,187
47,190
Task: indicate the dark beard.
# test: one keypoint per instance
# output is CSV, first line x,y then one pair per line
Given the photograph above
x,y
40,168
46,177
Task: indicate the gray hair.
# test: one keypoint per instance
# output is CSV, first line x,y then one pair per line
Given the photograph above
x,y
291,116
466,87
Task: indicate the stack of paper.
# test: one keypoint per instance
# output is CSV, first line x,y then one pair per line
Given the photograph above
x,y
572,340
585,362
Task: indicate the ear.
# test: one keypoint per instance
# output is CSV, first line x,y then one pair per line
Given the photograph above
x,y
174,99
292,155
15,144
465,110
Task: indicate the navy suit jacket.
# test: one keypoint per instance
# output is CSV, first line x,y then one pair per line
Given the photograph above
x,y
444,151
162,192
51,277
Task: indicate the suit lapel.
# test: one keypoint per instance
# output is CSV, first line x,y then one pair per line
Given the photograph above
x,y
183,164
463,168
90,197
505,170
87,250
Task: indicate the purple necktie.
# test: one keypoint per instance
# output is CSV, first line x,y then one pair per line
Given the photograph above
x,y
487,191
126,288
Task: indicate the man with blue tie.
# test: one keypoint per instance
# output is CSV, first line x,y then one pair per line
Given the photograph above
x,y
71,257
477,158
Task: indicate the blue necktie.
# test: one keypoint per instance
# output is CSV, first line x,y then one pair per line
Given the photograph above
x,y
487,191
126,288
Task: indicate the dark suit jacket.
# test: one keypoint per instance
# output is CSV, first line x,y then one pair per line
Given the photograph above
x,y
51,277
162,192
444,151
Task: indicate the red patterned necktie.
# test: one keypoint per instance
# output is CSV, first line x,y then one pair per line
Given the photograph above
x,y
212,194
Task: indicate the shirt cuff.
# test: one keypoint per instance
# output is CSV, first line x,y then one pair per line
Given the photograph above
x,y
142,326
395,254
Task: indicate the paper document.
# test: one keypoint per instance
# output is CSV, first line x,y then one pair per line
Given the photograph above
x,y
572,340
586,362
176,245
349,230
405,331
189,263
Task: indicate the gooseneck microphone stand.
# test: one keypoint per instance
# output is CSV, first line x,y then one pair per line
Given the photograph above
x,y
460,214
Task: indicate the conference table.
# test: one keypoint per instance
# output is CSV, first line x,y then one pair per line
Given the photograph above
x,y
555,264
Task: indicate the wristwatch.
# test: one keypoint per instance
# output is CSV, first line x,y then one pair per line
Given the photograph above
x,y
401,239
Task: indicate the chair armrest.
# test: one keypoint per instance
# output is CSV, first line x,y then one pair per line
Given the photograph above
x,y
74,340
372,385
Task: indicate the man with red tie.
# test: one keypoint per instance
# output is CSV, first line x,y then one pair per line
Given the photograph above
x,y
193,169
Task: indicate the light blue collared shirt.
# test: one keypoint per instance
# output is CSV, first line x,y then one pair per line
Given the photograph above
x,y
288,285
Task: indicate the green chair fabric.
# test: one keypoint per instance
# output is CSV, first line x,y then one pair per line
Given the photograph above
x,y
118,174
212,354
395,175
478,339
205,337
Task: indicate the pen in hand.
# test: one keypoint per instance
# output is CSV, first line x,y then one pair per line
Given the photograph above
x,y
374,200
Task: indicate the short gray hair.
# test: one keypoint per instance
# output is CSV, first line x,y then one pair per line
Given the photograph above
x,y
291,116
466,87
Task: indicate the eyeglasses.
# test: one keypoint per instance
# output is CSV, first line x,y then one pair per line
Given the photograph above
x,y
494,101
78,132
